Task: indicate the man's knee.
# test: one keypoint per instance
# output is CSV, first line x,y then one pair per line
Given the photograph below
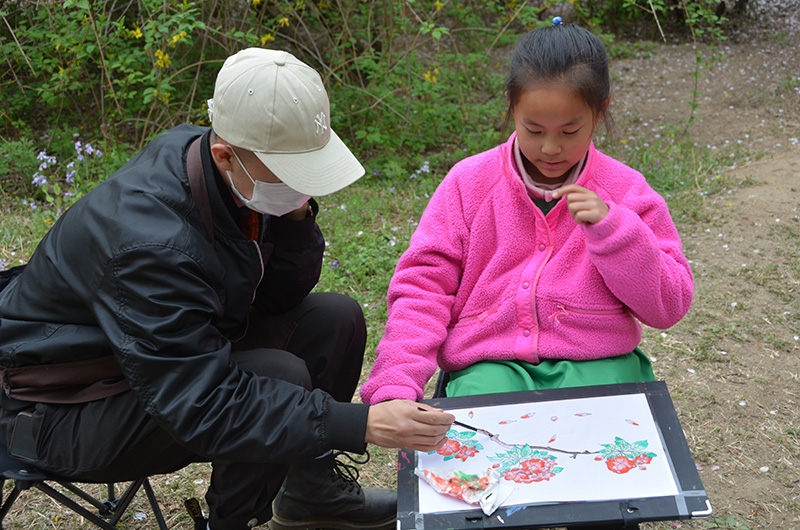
x,y
335,313
334,307
278,364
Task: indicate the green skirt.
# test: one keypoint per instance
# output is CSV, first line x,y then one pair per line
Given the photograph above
x,y
490,377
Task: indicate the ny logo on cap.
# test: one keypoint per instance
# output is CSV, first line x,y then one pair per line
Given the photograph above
x,y
321,122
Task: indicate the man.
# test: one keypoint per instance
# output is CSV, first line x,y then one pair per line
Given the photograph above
x,y
166,318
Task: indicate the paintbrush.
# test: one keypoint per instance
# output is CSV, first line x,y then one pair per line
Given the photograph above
x,y
470,427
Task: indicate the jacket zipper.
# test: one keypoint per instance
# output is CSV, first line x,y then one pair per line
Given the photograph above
x,y
482,316
255,291
261,262
567,308
564,311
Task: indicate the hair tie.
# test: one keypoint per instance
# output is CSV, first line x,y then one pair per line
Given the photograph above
x,y
556,21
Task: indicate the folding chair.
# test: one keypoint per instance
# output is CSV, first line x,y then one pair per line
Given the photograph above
x,y
109,511
441,385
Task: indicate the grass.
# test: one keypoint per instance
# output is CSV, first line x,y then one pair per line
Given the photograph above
x,y
368,226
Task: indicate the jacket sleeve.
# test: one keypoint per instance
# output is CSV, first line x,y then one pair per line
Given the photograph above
x,y
420,299
160,323
294,267
637,251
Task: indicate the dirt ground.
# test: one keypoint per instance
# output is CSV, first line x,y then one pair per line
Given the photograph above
x,y
732,364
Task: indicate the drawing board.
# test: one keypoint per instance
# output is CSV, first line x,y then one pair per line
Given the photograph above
x,y
604,454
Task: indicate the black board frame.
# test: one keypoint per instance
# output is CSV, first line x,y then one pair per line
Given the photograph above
x,y
690,502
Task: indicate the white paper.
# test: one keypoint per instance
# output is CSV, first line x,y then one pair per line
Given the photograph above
x,y
576,426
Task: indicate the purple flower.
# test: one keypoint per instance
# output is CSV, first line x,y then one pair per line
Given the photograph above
x,y
70,178
78,147
89,149
39,179
335,264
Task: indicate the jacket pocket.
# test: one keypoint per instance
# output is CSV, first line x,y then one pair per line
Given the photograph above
x,y
479,317
565,311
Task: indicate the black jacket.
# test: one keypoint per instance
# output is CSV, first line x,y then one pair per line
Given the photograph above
x,y
130,270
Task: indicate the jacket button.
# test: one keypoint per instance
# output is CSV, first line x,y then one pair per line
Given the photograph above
x,y
542,247
526,332
525,285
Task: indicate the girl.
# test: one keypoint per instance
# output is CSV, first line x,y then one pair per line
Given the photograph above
x,y
535,261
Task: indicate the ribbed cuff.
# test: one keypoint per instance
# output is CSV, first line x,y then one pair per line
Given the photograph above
x,y
346,426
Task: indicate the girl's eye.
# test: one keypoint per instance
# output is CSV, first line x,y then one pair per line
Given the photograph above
x,y
533,132
571,132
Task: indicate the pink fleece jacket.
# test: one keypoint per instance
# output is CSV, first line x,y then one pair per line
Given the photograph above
x,y
487,276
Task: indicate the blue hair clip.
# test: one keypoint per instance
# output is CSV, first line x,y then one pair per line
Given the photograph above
x,y
556,21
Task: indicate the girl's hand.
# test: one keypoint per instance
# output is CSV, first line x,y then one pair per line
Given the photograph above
x,y
585,206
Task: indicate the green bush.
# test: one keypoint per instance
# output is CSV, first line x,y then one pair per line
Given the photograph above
x,y
406,78
401,74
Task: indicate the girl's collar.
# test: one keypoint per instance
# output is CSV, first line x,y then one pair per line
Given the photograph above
x,y
544,191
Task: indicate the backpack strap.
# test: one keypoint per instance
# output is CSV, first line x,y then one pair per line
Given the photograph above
x,y
197,184
69,382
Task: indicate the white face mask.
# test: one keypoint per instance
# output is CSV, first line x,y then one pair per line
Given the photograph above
x,y
270,198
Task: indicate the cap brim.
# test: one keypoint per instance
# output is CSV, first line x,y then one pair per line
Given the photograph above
x,y
318,172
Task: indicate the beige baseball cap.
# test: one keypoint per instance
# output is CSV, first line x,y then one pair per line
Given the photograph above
x,y
270,103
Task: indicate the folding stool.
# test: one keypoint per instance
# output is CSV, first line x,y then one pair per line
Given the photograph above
x,y
109,511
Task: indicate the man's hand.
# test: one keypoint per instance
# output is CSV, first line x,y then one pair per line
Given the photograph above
x,y
401,423
585,206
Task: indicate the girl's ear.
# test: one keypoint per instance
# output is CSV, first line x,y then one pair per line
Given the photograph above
x,y
603,110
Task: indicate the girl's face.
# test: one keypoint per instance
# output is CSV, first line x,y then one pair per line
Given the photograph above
x,y
554,129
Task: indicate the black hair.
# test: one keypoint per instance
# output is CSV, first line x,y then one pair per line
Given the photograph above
x,y
561,52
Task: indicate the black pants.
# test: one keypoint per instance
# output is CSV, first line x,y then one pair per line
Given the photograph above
x,y
319,344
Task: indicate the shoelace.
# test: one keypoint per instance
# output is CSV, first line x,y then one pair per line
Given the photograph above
x,y
347,474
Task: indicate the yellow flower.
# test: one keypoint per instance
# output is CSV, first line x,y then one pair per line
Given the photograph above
x,y
256,3
431,76
283,22
438,5
266,38
177,38
162,59
136,33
